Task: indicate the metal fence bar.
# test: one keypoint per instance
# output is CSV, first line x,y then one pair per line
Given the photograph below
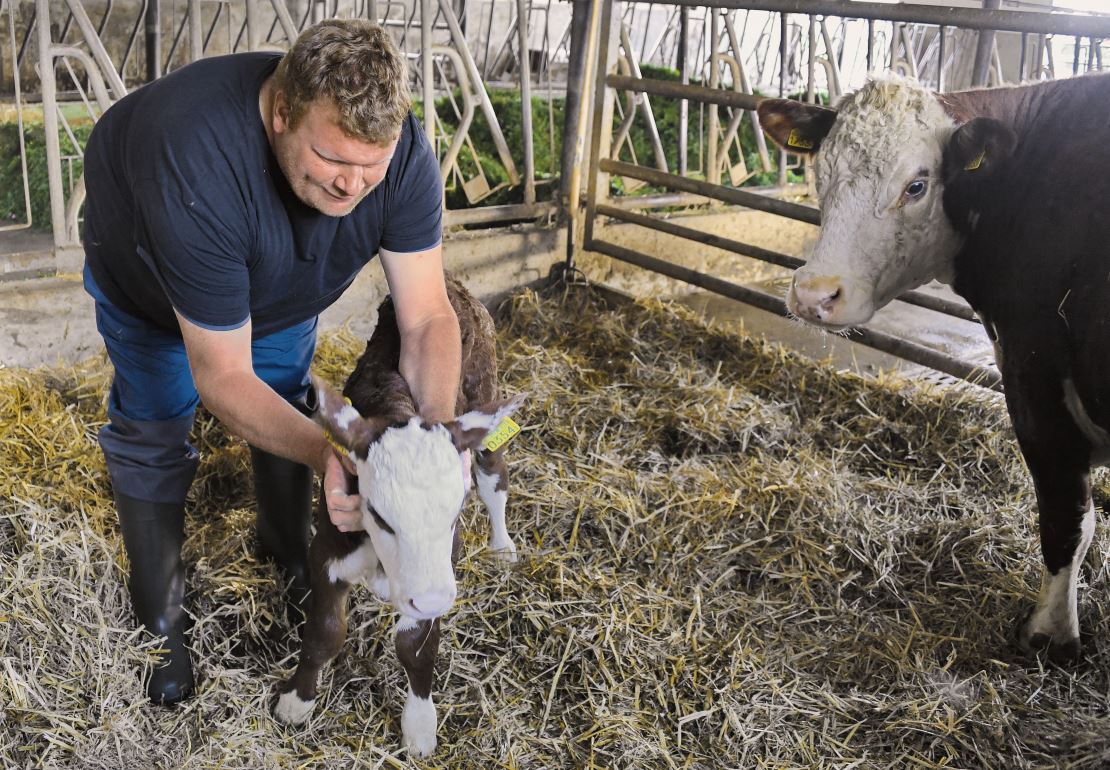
x,y
920,299
970,18
887,343
752,200
674,90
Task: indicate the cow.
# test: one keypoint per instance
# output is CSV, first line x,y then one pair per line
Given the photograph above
x,y
413,477
1001,193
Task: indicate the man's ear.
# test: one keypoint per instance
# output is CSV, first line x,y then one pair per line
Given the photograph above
x,y
978,148
795,126
348,432
468,430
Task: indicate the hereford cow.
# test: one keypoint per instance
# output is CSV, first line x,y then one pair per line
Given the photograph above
x,y
413,477
1003,193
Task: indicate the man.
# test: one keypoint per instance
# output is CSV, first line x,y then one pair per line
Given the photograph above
x,y
228,204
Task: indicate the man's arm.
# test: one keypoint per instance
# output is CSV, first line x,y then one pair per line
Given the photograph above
x,y
224,375
431,351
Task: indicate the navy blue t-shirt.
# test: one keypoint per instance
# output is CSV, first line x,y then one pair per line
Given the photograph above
x,y
187,208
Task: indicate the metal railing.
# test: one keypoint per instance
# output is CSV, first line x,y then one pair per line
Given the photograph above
x,y
911,47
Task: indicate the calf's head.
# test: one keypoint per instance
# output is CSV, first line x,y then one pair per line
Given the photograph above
x,y
412,480
878,171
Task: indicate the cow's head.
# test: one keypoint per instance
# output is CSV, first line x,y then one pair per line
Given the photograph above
x,y
412,480
878,172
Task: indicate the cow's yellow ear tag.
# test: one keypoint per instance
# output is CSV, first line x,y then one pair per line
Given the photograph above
x,y
500,435
794,139
976,163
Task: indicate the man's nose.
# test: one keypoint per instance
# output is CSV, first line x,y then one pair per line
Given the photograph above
x,y
351,181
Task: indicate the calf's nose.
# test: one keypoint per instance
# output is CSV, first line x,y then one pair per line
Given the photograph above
x,y
816,298
432,604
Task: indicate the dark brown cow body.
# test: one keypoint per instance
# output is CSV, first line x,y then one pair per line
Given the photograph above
x,y
385,439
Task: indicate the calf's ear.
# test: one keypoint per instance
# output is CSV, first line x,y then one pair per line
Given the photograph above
x,y
345,428
470,429
795,126
977,148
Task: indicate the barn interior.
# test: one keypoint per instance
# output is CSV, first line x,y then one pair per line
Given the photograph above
x,y
743,543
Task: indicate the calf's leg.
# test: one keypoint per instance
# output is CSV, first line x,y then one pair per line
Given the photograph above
x,y
417,644
322,637
493,489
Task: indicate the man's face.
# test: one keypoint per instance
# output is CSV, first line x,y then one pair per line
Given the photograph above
x,y
327,169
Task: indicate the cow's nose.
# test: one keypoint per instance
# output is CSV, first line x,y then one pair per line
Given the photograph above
x,y
816,298
432,604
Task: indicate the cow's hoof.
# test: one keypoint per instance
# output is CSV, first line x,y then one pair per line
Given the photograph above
x,y
418,725
505,552
291,710
1060,651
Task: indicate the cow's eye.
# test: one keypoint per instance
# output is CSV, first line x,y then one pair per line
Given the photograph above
x,y
379,520
915,189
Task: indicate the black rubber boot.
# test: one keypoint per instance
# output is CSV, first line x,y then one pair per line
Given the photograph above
x,y
152,535
284,492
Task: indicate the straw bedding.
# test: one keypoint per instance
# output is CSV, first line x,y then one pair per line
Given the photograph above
x,y
731,558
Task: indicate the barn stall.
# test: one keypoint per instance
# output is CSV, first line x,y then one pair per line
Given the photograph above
x,y
732,556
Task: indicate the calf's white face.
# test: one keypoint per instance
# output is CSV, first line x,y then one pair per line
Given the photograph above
x,y
411,478
878,173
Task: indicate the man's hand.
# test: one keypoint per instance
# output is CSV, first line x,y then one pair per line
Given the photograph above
x,y
344,510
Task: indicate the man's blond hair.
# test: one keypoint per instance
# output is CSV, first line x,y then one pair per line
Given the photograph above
x,y
354,64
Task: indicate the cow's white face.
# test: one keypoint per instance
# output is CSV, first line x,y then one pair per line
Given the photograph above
x,y
412,479
883,227
412,489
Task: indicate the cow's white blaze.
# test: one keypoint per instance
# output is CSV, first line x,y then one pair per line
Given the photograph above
x,y
412,477
875,240
356,567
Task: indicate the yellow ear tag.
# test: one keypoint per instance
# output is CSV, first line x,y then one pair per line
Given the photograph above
x,y
341,450
500,435
794,140
975,164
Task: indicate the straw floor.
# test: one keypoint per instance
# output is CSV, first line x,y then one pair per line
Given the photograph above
x,y
730,558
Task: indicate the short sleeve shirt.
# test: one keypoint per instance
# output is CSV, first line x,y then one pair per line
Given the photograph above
x,y
187,209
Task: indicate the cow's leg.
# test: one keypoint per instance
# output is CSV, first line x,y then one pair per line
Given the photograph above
x,y
322,637
1067,524
493,489
417,643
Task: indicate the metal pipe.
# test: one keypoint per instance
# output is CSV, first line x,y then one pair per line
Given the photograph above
x,y
888,343
602,64
783,69
683,53
427,72
939,304
980,71
152,31
940,58
591,43
494,214
525,72
734,195
196,31
49,89
581,15
970,18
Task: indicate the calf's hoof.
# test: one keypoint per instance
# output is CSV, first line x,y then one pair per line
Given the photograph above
x,y
291,710
504,552
418,726
1061,649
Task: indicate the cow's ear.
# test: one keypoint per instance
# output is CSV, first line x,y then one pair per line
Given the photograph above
x,y
470,430
348,432
795,126
977,148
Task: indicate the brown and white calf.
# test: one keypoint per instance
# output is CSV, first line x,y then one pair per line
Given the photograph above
x,y
1003,193
413,477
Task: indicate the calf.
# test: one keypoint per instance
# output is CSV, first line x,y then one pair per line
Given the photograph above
x,y
413,477
1000,193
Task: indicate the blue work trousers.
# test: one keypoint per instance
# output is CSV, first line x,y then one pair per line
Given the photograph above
x,y
153,398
